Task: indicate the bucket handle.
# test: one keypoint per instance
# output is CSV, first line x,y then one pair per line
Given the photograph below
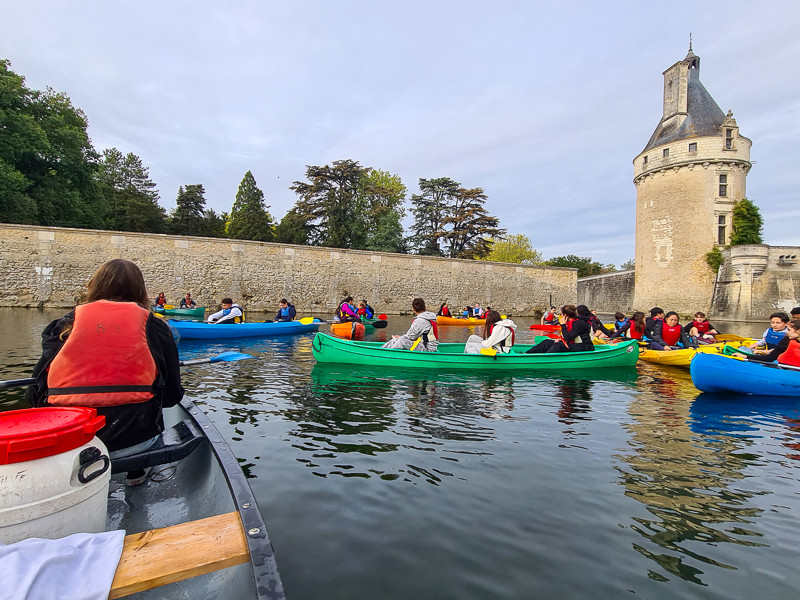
x,y
88,457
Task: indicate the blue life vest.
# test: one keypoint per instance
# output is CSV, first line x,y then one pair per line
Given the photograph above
x,y
772,337
284,312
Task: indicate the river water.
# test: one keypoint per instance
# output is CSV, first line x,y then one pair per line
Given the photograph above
x,y
426,485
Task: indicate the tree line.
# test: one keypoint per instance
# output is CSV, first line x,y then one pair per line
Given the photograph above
x,y
50,174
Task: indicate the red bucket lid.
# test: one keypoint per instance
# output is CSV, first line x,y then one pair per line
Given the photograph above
x,y
34,433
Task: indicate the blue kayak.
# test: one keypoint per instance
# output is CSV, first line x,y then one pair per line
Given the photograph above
x,y
718,373
191,330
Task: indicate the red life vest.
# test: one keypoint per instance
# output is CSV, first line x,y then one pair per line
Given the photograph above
x,y
792,354
504,342
446,311
106,360
671,335
633,333
703,327
578,339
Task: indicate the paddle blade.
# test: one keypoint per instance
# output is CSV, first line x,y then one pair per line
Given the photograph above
x,y
488,351
380,324
306,320
224,357
169,306
729,337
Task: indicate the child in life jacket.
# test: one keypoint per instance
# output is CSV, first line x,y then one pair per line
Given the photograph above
x,y
787,351
773,335
498,333
669,334
701,329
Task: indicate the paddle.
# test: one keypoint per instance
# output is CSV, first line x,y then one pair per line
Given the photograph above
x,y
488,351
224,357
169,306
306,320
380,324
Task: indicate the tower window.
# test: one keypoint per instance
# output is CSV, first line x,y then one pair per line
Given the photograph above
x,y
644,160
721,226
723,186
693,147
666,152
729,139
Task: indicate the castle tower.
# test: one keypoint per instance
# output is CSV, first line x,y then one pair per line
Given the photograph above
x,y
687,178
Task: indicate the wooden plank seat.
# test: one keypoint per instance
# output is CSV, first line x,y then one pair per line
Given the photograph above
x,y
161,556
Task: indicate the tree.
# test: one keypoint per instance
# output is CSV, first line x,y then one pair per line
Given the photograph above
x,y
380,201
131,196
628,265
430,208
469,228
747,224
215,225
250,219
515,248
293,229
47,162
189,216
585,265
328,206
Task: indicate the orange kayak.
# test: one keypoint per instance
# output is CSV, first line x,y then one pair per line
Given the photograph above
x,y
471,322
348,331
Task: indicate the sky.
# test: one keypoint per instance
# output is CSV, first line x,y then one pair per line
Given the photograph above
x,y
543,105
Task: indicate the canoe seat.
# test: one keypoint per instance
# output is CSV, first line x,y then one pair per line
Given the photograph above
x,y
161,556
173,444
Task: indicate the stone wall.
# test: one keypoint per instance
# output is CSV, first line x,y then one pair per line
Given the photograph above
x,y
50,267
607,293
755,281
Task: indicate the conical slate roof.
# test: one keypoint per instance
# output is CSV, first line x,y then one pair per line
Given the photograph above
x,y
704,119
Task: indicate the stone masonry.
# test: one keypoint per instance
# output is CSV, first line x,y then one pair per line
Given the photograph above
x,y
47,266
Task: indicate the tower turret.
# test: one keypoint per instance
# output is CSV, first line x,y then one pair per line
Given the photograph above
x,y
688,177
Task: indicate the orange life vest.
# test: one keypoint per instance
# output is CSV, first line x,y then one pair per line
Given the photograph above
x,y
106,360
671,335
792,354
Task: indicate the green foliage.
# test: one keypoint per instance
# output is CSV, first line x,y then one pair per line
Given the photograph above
x,y
747,224
215,224
47,162
293,229
380,204
328,207
189,216
628,265
714,259
445,213
250,219
515,248
585,265
131,196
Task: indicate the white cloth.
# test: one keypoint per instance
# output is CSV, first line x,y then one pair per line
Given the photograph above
x,y
500,331
77,567
221,317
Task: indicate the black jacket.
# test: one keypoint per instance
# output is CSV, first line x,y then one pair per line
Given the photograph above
x,y
580,327
126,424
292,314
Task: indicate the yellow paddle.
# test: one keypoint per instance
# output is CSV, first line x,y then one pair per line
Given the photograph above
x,y
488,351
169,306
306,320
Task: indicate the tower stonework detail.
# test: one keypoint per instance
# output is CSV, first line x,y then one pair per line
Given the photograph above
x,y
688,177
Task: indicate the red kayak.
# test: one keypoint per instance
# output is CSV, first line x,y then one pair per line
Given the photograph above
x,y
546,327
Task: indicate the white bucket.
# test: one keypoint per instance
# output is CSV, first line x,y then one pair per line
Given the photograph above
x,y
55,496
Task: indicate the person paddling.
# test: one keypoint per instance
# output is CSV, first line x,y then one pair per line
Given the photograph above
x,y
668,334
498,333
286,311
550,317
787,351
422,336
187,301
576,333
230,314
345,312
110,353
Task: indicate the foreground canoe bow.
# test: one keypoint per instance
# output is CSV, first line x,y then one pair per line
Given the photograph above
x,y
727,374
329,349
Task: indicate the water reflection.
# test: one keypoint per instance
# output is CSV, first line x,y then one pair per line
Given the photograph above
x,y
689,484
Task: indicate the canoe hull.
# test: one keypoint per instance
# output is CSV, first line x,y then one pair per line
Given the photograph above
x,y
471,322
717,373
328,349
196,313
189,330
679,358
348,331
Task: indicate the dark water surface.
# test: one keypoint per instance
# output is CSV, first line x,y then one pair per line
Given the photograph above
x,y
426,485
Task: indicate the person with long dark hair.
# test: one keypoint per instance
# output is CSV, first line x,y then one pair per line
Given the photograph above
x,y
498,333
112,354
576,334
634,327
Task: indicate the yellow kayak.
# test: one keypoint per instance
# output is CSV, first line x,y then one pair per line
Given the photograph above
x,y
682,357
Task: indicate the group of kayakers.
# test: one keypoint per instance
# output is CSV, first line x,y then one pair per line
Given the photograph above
x,y
186,302
469,312
347,311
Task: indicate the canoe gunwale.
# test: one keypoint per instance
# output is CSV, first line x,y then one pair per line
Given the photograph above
x,y
370,354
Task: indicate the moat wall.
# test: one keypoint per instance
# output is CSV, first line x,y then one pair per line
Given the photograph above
x,y
607,293
50,266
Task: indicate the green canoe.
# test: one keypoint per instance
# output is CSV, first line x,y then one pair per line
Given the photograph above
x,y
375,323
196,313
330,349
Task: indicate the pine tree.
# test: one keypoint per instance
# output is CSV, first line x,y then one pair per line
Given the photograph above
x,y
189,216
469,228
250,219
430,210
131,195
